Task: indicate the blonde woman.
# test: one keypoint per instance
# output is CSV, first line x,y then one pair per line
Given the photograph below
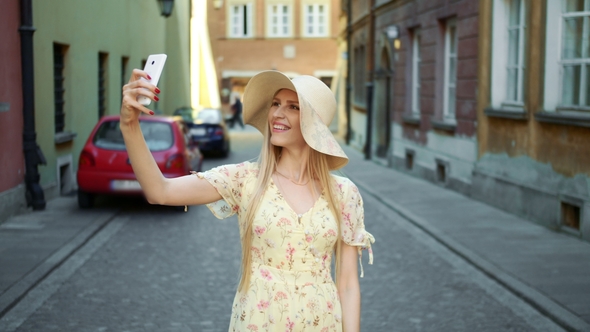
x,y
294,215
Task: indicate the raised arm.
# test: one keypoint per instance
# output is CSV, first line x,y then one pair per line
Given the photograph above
x,y
185,190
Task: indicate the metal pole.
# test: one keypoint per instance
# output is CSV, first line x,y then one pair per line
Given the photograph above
x,y
370,80
348,68
33,154
368,140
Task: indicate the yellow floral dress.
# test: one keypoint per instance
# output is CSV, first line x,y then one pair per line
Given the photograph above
x,y
291,287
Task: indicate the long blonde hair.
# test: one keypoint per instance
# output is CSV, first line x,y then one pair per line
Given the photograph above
x,y
317,168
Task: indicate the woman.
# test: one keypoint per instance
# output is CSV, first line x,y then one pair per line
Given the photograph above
x,y
293,214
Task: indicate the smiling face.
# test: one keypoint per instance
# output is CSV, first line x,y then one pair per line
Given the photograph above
x,y
283,119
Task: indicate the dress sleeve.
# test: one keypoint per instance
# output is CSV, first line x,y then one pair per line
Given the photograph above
x,y
229,181
353,221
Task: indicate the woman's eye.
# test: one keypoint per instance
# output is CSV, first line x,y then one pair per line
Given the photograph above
x,y
274,103
295,107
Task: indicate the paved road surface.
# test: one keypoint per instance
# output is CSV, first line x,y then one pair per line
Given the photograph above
x,y
156,269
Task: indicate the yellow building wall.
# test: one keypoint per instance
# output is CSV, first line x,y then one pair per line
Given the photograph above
x,y
131,28
538,165
564,147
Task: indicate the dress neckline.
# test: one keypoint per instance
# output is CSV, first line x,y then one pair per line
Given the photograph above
x,y
299,215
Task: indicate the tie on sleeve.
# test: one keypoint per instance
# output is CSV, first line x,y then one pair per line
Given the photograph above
x,y
228,180
353,221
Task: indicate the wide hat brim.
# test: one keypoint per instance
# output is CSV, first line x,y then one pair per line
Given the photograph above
x,y
317,109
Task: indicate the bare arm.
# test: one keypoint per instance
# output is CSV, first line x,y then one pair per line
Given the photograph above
x,y
186,190
349,289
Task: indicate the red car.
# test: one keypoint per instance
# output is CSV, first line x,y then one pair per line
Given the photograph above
x,y
104,166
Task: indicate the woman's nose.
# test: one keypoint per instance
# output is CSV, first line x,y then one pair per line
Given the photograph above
x,y
278,111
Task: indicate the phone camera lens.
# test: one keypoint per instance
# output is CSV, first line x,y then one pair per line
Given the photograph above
x,y
153,62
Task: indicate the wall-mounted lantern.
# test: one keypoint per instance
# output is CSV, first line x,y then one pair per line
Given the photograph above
x,y
393,33
166,7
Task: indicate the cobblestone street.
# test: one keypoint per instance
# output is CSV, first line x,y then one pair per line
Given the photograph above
x,y
154,268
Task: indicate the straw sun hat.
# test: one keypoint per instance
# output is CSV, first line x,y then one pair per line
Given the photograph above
x,y
317,109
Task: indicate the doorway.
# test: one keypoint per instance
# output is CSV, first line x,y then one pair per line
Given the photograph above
x,y
383,101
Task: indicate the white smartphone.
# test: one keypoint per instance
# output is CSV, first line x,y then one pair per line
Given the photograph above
x,y
153,66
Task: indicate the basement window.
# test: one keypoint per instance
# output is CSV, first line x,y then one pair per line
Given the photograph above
x,y
442,170
570,216
410,159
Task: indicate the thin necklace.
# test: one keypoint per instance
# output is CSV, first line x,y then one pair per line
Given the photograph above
x,y
288,178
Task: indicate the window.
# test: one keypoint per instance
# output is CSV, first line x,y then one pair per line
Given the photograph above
x,y
416,72
158,136
508,65
567,56
359,75
102,83
279,21
124,78
575,54
515,65
450,82
315,22
58,86
241,21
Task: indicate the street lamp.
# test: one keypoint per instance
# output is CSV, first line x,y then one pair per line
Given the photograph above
x,y
393,33
166,7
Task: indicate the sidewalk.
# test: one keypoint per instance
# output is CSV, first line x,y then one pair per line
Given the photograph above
x,y
549,270
35,243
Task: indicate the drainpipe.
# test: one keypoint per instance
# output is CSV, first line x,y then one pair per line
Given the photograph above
x,y
369,138
33,154
369,85
348,67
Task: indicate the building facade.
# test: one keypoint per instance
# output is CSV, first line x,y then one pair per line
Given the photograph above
x,y
84,53
490,98
534,111
297,37
12,189
413,86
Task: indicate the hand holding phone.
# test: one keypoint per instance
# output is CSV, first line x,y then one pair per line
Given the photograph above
x,y
153,67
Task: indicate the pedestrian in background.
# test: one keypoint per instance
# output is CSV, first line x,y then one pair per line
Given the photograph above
x,y
294,215
236,108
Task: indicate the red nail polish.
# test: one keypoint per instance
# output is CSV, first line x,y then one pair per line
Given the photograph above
x,y
156,98
149,77
151,112
157,90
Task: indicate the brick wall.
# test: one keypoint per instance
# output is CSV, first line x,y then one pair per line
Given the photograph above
x,y
261,53
430,16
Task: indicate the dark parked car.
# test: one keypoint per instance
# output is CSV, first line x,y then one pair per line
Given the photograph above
x,y
208,129
104,166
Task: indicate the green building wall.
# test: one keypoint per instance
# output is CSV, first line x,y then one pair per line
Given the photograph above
x,y
120,28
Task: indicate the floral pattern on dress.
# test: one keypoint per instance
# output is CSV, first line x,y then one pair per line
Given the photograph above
x,y
291,288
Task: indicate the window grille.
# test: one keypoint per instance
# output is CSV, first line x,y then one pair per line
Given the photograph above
x,y
102,82
315,21
359,75
124,78
515,65
241,21
279,21
58,86
450,91
416,60
575,54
